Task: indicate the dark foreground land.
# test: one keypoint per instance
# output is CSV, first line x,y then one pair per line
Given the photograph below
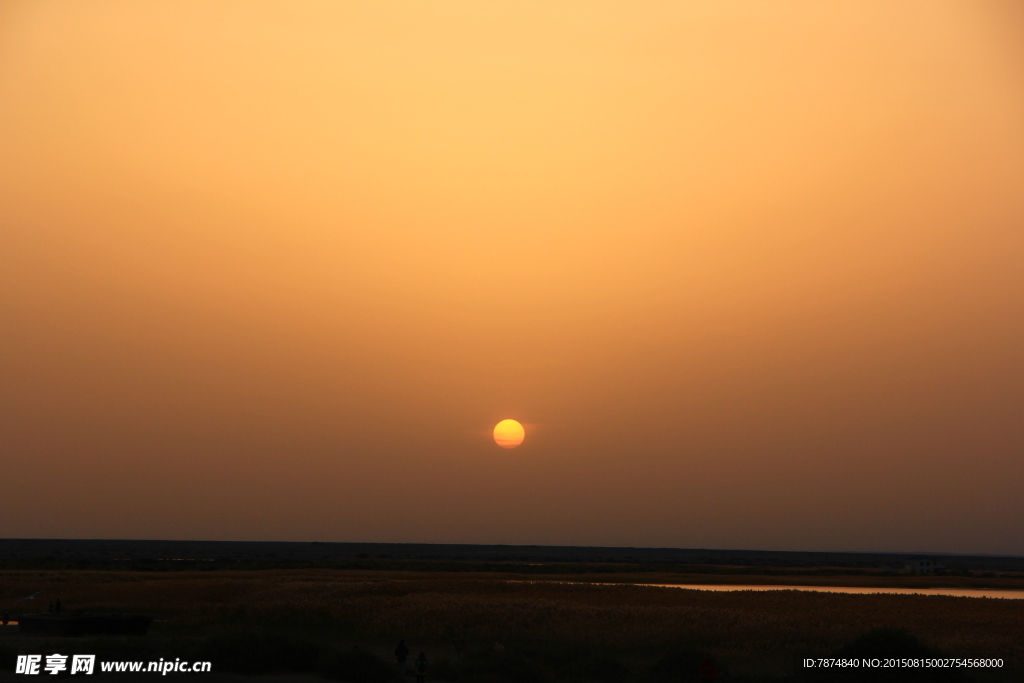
x,y
490,626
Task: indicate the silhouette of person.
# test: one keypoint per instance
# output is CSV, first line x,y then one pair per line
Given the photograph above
x,y
401,654
708,672
421,668
6,618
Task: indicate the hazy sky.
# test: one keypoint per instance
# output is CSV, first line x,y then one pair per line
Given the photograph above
x,y
750,273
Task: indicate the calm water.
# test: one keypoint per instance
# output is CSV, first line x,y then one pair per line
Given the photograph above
x,y
955,592
1007,594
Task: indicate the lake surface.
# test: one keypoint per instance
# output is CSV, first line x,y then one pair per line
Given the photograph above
x,y
1004,593
955,592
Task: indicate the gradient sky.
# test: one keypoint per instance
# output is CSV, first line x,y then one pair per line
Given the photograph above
x,y
750,273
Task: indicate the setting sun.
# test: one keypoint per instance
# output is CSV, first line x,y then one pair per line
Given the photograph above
x,y
509,433
769,249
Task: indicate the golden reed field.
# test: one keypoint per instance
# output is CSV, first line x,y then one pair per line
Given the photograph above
x,y
619,632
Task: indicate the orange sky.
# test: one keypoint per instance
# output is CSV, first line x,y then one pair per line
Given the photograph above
x,y
750,273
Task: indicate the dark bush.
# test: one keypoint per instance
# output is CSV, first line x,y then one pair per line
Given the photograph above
x,y
357,665
576,661
503,667
595,667
676,665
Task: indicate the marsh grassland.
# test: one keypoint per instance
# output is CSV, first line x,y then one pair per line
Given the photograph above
x,y
343,625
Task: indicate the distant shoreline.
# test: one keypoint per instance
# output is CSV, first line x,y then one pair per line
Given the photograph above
x,y
591,564
117,549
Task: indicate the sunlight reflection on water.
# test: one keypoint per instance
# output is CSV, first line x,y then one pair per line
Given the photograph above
x,y
865,590
1006,594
